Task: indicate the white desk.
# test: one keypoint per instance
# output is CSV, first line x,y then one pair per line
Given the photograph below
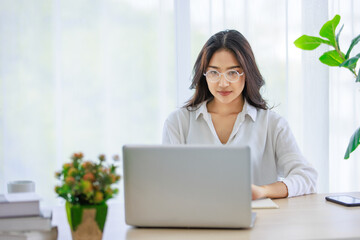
x,y
305,217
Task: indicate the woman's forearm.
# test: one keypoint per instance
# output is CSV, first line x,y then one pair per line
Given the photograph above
x,y
274,190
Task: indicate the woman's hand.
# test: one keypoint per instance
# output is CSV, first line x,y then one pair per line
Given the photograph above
x,y
257,192
274,190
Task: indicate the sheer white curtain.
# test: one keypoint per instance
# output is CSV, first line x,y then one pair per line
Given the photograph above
x,y
81,76
314,117
92,76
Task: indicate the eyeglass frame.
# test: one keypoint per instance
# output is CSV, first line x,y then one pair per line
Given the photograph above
x,y
224,74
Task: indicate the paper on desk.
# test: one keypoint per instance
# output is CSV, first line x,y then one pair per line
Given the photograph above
x,y
263,203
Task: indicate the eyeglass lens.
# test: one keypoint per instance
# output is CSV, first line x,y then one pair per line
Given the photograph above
x,y
230,75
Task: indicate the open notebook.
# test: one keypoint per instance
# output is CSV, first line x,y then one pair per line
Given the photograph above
x,y
263,203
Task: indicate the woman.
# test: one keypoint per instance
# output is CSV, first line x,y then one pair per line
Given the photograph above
x,y
227,108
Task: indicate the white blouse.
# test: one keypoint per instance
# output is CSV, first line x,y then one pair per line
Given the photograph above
x,y
275,155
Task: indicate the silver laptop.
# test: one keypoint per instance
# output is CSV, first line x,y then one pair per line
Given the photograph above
x,y
187,186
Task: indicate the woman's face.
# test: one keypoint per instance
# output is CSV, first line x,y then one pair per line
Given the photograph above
x,y
224,91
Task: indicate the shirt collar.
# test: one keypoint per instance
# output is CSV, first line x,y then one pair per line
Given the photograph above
x,y
201,110
248,109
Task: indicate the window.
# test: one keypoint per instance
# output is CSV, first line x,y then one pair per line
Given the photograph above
x,y
91,77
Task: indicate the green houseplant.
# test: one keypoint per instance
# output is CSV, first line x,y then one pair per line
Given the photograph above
x,y
335,58
86,186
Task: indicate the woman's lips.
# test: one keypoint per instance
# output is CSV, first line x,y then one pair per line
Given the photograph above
x,y
224,93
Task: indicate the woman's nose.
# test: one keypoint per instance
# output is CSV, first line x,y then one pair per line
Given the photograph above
x,y
223,82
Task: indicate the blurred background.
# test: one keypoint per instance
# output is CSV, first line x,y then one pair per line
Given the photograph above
x,y
91,76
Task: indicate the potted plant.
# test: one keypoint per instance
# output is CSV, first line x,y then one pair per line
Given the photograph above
x,y
335,58
86,186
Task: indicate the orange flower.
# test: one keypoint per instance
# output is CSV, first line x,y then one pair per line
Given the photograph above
x,y
109,191
70,180
87,164
66,166
86,186
72,172
99,196
77,156
102,157
89,176
113,178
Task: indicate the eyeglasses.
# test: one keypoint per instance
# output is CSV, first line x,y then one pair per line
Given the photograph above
x,y
230,75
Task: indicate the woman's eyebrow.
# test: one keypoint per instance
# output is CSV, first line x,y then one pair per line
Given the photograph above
x,y
213,67
233,67
226,68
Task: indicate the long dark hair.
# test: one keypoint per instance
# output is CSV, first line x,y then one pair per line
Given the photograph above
x,y
236,43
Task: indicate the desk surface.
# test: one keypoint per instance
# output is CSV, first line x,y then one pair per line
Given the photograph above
x,y
304,217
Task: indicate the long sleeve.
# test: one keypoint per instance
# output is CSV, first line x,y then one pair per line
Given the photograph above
x,y
298,175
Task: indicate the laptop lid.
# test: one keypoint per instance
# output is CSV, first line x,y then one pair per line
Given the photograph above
x,y
187,186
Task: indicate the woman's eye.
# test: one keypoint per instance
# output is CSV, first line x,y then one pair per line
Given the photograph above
x,y
212,73
232,73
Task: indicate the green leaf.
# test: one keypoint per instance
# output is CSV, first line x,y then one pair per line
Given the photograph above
x,y
351,62
331,58
328,30
354,142
358,77
353,43
74,215
306,42
338,35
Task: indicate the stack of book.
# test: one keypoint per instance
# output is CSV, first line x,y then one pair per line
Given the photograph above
x,y
22,219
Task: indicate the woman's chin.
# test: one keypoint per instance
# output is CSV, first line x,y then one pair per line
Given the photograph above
x,y
225,100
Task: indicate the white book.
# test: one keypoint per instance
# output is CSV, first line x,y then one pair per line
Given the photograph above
x,y
40,223
19,204
263,203
30,235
